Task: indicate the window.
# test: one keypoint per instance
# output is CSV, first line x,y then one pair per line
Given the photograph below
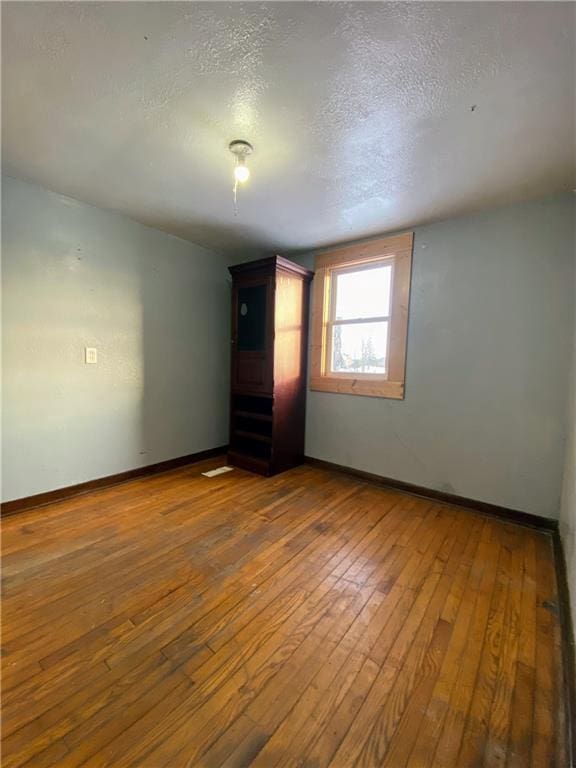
x,y
360,318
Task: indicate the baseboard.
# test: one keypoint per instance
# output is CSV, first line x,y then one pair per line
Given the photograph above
x,y
39,499
512,515
568,657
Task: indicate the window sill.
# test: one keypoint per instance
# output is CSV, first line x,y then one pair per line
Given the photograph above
x,y
365,387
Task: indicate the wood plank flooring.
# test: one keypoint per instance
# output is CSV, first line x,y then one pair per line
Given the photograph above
x,y
305,620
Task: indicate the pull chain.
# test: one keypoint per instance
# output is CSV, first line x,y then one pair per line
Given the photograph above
x,y
236,197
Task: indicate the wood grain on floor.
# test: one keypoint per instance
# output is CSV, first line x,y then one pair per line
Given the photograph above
x,y
310,619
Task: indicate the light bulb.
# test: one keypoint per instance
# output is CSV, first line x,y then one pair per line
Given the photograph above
x,y
241,173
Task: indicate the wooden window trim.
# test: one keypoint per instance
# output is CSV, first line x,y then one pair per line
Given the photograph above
x,y
397,249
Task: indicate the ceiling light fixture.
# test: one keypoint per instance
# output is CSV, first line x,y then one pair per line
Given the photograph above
x,y
240,149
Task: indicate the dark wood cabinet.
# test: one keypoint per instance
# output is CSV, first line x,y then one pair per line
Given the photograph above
x,y
268,379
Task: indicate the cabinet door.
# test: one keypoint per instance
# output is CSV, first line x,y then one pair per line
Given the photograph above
x,y
252,330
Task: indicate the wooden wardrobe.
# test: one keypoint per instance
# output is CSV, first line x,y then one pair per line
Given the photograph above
x,y
270,301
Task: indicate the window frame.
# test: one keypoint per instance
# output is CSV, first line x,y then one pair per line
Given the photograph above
x,y
397,250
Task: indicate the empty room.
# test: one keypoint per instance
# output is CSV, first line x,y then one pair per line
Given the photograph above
x,y
288,384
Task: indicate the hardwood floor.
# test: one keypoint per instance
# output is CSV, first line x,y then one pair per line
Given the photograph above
x,y
305,620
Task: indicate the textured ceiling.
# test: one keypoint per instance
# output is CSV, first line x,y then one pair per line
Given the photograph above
x,y
365,117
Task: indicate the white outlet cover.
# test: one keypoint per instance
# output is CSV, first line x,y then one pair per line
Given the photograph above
x,y
90,355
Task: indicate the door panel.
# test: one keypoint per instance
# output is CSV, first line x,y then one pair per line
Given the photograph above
x,y
251,372
251,318
252,334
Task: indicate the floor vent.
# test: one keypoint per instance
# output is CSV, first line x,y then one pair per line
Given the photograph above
x,y
219,471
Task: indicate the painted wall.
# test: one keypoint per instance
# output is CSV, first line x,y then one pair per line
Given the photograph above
x,y
487,371
157,309
568,508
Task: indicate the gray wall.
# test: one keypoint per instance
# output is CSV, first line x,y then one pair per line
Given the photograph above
x,y
157,309
568,509
488,360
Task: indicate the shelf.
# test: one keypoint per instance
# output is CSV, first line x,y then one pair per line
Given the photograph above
x,y
252,436
248,446
252,415
251,463
252,405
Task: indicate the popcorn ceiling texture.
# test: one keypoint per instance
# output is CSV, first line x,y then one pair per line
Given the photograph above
x,y
365,117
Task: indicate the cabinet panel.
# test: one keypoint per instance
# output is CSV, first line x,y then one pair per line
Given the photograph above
x,y
251,372
251,317
252,334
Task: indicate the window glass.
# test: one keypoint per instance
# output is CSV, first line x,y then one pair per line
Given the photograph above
x,y
360,348
364,292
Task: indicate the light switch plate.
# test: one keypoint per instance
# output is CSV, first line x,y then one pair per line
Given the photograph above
x,y
91,355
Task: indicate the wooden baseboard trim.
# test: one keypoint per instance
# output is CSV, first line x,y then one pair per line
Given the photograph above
x,y
49,497
568,653
512,515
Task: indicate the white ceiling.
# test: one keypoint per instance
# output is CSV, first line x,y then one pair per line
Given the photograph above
x,y
361,114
